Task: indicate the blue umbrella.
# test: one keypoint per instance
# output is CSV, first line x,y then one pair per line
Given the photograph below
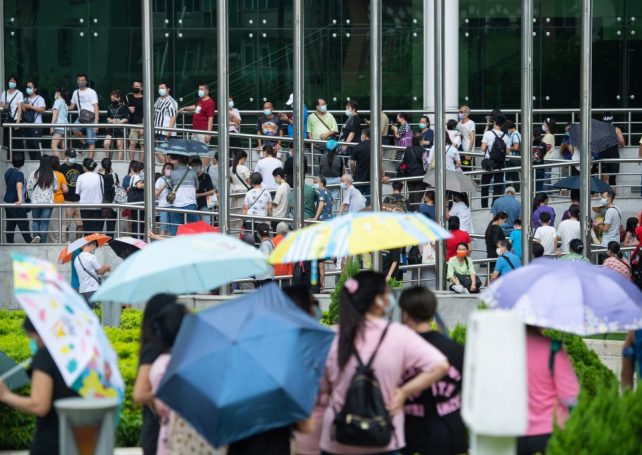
x,y
246,366
182,147
573,183
602,135
570,296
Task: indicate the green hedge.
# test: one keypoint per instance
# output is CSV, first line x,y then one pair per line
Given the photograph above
x,y
17,427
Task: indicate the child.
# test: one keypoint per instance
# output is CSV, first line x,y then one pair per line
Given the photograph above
x,y
516,238
545,234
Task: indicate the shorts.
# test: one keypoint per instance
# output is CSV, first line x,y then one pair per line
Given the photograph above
x,y
60,131
164,221
115,133
199,137
137,135
89,132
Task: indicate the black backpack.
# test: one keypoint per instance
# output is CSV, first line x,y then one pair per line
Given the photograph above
x,y
364,420
497,152
636,266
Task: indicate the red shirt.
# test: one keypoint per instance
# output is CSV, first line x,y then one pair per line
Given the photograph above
x,y
457,238
204,110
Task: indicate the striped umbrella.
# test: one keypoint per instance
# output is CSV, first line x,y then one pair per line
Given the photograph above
x,y
357,233
67,254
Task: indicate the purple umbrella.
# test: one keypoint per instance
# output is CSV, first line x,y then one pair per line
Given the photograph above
x,y
570,296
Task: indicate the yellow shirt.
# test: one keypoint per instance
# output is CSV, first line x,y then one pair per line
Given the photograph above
x,y
59,197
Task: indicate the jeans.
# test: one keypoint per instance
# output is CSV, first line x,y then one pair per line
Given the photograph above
x,y
17,217
89,132
540,175
40,222
334,192
33,142
498,187
179,218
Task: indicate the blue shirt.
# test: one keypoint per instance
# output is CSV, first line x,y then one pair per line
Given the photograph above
x,y
12,177
428,210
428,135
516,240
325,196
502,265
305,124
513,209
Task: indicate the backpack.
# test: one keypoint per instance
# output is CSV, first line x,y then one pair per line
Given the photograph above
x,y
364,420
497,152
636,266
395,203
414,256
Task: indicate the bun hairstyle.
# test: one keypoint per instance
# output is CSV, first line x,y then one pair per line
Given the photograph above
x,y
89,164
576,246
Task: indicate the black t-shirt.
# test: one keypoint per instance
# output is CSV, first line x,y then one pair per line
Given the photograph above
x,y
352,125
272,442
433,419
151,426
109,190
135,117
493,235
413,159
361,156
387,258
46,436
204,185
71,173
269,127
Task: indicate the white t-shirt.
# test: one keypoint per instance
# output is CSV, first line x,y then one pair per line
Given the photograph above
x,y
280,201
546,236
460,210
452,155
239,186
489,139
233,114
85,99
266,247
37,101
567,231
162,197
13,100
265,167
354,199
465,129
257,201
88,281
89,189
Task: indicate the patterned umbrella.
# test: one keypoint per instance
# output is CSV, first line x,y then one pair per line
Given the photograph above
x,y
186,147
602,136
357,233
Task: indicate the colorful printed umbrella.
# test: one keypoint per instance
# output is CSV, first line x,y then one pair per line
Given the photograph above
x,y
67,253
573,297
69,329
186,147
357,233
197,227
126,246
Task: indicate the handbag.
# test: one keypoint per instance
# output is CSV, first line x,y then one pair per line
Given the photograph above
x,y
7,117
95,277
171,195
120,195
30,116
84,115
467,282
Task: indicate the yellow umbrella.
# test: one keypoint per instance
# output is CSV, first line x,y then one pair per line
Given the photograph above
x,y
357,233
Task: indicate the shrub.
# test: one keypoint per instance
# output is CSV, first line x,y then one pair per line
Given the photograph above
x,y
332,315
17,427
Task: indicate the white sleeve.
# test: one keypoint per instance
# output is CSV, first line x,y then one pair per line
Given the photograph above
x,y
93,97
485,137
538,234
74,98
93,262
40,102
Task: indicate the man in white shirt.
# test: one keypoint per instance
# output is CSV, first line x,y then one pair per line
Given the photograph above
x,y
488,140
569,229
266,167
612,219
90,190
281,197
353,200
545,234
85,99
89,271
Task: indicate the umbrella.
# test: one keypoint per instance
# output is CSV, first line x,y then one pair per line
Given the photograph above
x,y
357,233
68,252
183,264
126,246
246,366
455,181
573,183
69,329
602,136
197,227
569,296
186,147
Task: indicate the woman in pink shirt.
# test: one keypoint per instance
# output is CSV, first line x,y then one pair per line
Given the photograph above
x,y
363,304
552,391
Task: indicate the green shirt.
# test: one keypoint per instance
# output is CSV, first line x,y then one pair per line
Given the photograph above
x,y
462,268
574,257
310,199
316,125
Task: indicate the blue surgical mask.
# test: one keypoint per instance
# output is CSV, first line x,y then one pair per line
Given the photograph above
x,y
231,104
323,109
460,116
201,93
343,185
29,91
33,346
316,186
142,175
348,112
267,111
12,85
162,92
422,126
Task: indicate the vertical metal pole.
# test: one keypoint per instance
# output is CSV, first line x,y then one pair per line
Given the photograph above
x,y
2,69
440,132
429,57
148,114
297,119
585,124
527,125
375,114
223,118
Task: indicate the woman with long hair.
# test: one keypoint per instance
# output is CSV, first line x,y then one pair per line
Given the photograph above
x,y
59,196
540,205
364,335
41,187
615,262
461,208
109,181
161,189
331,167
239,173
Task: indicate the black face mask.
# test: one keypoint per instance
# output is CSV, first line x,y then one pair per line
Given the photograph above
x,y
136,90
114,103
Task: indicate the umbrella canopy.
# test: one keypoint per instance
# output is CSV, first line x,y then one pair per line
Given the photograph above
x,y
185,147
573,297
197,227
126,246
246,366
70,330
602,136
13,374
573,183
68,252
181,265
357,233
455,181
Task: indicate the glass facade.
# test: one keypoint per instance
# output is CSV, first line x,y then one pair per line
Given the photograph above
x,y
52,40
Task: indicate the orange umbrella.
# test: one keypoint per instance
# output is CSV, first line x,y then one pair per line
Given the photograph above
x,y
67,254
198,227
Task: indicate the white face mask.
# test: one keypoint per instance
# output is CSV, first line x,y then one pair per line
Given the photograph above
x,y
316,186
348,112
201,93
162,92
544,128
498,251
604,201
231,104
344,186
323,108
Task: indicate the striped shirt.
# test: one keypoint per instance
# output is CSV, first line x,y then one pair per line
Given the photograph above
x,y
164,110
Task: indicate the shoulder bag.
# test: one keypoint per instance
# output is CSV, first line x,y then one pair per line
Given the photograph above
x,y
248,187
171,195
30,116
7,116
84,115
95,277
321,120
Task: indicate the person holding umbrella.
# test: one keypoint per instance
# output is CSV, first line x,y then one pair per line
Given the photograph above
x,y
89,271
47,386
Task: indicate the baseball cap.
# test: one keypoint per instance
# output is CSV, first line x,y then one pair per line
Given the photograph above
x,y
290,100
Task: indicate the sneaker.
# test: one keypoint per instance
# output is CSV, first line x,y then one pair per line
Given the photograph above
x,y
36,239
459,289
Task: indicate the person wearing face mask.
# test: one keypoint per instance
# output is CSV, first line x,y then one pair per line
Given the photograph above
x,y
351,130
85,101
203,118
165,109
461,272
280,202
72,222
324,205
60,114
11,101
134,101
467,128
205,189
506,260
287,120
427,134
269,125
161,188
32,108
364,335
353,200
234,122
47,386
117,114
89,271
322,125
610,227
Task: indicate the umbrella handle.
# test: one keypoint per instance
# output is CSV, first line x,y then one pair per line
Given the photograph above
x,y
14,370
